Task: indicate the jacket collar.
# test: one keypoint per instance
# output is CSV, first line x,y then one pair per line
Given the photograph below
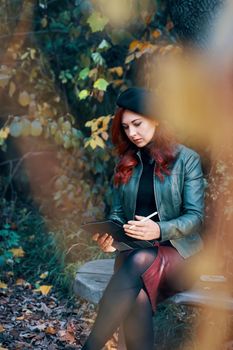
x,y
138,153
177,149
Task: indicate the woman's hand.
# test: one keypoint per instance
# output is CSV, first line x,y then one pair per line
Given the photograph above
x,y
142,230
104,242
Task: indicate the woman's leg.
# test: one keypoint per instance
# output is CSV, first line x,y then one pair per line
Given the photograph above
x,y
138,324
119,297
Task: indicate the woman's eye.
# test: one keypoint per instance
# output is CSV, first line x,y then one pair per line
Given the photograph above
x,y
137,124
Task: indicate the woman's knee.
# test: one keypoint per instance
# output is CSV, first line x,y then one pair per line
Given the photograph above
x,y
142,299
141,259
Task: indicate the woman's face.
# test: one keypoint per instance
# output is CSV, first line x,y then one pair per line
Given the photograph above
x,y
140,130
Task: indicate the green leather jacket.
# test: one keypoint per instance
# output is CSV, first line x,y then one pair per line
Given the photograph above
x,y
179,200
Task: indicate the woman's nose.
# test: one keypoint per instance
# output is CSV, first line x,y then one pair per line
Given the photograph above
x,y
132,131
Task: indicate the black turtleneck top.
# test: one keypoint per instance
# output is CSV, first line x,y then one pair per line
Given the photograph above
x,y
146,204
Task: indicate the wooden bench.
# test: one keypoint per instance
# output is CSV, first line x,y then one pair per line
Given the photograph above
x,y
92,278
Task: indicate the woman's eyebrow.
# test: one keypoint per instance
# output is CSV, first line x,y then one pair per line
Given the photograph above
x,y
132,121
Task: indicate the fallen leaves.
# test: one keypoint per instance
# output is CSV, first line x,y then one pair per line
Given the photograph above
x,y
43,289
17,252
3,285
44,275
38,321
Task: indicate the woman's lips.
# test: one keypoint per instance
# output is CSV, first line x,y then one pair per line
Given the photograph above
x,y
137,140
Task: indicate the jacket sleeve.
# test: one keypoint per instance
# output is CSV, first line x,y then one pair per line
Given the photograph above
x,y
117,212
191,219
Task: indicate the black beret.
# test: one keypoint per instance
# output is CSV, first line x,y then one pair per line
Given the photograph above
x,y
136,99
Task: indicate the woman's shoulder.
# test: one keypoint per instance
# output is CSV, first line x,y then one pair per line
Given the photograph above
x,y
182,151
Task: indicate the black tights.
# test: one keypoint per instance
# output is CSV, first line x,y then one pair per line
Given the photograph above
x,y
125,301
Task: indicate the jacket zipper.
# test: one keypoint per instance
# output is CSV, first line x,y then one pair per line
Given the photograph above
x,y
135,202
155,195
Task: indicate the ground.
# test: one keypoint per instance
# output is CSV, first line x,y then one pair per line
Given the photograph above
x,y
31,320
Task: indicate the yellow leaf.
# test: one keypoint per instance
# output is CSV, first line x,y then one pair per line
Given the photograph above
x,y
99,142
106,121
87,143
24,99
2,329
44,275
1,348
3,285
12,88
134,45
101,84
118,70
44,289
156,33
17,252
4,133
97,21
92,144
83,94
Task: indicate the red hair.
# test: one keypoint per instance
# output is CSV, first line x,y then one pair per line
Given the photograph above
x,y
161,150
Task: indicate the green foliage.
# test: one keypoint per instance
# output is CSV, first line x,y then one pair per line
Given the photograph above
x,y
89,50
8,239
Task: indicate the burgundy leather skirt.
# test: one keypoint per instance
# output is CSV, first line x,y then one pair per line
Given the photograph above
x,y
160,278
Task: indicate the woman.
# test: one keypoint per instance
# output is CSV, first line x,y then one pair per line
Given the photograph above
x,y
153,174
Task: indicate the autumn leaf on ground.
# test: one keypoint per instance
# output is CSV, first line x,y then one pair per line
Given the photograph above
x,y
50,330
20,318
68,334
20,282
2,329
17,252
156,33
3,285
44,275
43,289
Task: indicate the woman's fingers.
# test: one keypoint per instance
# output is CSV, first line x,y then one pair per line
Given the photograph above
x,y
104,241
103,238
136,236
95,236
134,233
134,229
135,223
